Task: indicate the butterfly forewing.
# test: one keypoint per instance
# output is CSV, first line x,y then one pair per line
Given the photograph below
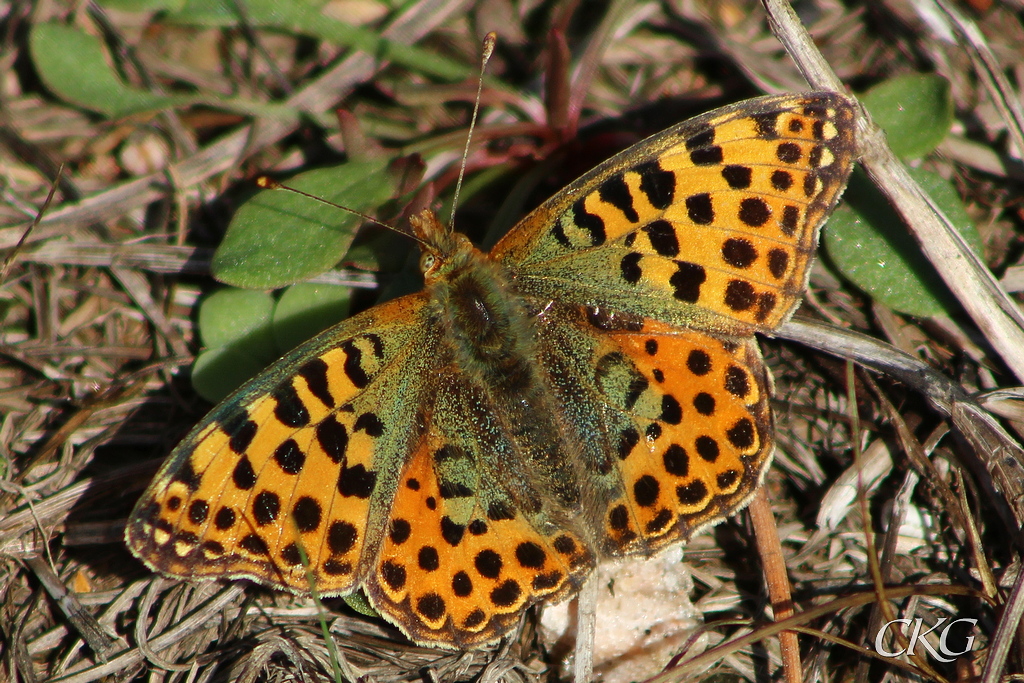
x,y
710,224
299,467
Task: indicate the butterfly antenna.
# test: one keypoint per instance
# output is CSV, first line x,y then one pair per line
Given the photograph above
x,y
488,49
268,183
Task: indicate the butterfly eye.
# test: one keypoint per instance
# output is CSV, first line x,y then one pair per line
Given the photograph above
x,y
427,262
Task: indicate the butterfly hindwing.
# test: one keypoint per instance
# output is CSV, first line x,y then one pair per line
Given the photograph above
x,y
676,424
464,554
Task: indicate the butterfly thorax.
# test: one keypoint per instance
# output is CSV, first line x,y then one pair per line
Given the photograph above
x,y
482,318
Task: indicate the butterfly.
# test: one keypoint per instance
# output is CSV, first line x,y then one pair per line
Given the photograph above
x,y
590,389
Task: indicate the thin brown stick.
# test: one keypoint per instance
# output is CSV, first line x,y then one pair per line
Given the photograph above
x,y
769,547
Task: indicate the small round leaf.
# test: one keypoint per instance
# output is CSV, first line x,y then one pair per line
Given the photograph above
x,y
278,237
866,240
219,371
306,309
915,111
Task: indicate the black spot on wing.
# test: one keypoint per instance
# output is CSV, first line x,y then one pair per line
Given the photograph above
x,y
727,478
676,461
394,575
506,594
788,152
241,431
814,158
451,531
738,177
707,448
289,457
188,476
810,185
333,438
778,263
739,295
353,365
474,619
462,585
630,269
289,408
736,382
615,192
428,559
739,252
400,531
224,519
766,125
671,411
198,510
314,373
243,475
700,209
790,219
265,507
782,180
817,130
357,481
307,514
254,545
341,537
431,606
589,222
657,184
699,362
662,237
687,280
692,493
646,490
369,422
754,211
530,555
488,564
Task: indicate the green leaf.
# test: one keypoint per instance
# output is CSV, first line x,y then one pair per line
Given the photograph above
x,y
231,316
915,111
306,18
866,240
73,65
306,309
278,238
236,327
142,5
217,372
359,603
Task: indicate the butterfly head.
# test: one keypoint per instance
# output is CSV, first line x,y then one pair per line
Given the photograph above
x,y
444,250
